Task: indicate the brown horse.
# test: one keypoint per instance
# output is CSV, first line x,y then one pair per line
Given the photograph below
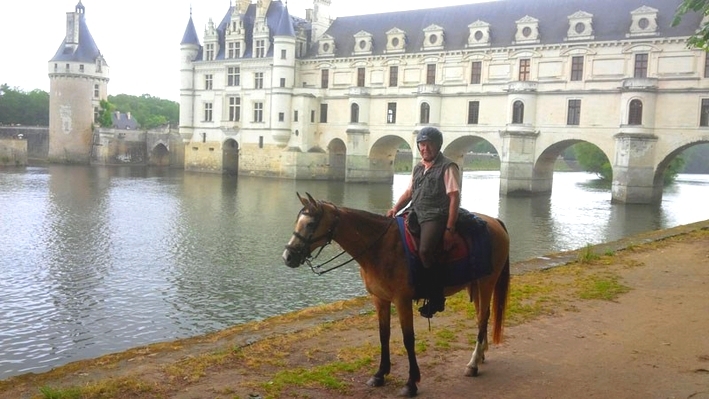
x,y
375,243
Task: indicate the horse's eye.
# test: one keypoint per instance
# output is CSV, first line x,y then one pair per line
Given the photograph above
x,y
311,225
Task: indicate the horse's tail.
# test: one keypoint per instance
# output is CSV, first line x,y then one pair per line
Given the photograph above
x,y
500,302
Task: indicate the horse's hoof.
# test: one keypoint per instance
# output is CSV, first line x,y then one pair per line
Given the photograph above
x,y
471,372
376,381
408,392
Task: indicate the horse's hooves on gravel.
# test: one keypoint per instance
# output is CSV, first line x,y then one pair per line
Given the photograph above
x,y
471,372
376,381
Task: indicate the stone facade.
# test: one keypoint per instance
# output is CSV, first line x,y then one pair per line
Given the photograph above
x,y
531,78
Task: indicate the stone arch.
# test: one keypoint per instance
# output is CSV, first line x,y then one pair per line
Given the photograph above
x,y
659,175
459,148
337,158
230,157
381,157
543,170
159,155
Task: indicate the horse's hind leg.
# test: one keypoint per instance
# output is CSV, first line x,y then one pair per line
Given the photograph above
x,y
483,311
384,315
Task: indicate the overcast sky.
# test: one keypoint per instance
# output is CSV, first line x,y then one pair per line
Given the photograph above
x,y
140,39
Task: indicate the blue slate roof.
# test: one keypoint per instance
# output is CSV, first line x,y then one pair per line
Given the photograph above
x,y
279,22
611,21
124,121
190,36
87,50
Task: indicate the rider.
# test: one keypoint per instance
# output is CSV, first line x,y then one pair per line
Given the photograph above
x,y
434,194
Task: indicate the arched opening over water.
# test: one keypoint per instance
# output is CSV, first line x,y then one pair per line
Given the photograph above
x,y
159,156
337,158
659,179
230,157
473,153
562,156
383,154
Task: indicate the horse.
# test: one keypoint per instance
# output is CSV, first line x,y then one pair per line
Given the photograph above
x,y
375,243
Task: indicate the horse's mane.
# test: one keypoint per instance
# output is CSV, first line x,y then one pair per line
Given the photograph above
x,y
361,213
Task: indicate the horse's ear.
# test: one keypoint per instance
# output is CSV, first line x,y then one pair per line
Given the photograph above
x,y
302,200
312,200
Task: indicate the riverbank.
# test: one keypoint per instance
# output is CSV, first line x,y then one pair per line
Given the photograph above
x,y
622,319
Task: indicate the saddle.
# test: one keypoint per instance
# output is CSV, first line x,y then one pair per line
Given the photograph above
x,y
470,257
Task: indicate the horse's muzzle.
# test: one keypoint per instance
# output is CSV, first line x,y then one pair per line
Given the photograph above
x,y
292,258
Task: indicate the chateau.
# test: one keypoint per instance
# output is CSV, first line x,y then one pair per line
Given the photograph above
x,y
266,93
271,94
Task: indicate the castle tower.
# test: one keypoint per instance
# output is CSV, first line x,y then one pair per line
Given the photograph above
x,y
320,18
189,51
78,79
283,77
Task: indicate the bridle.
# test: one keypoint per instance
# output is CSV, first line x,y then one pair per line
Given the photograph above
x,y
304,252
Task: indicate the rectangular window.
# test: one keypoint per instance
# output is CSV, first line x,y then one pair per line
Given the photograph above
x,y
704,115
431,74
393,76
96,91
577,68
258,80
231,50
283,82
81,67
640,66
295,116
391,112
208,82
312,116
260,141
260,48
360,77
283,54
281,116
233,76
524,69
706,65
209,52
324,78
323,113
234,109
574,113
473,112
207,112
476,72
258,112
237,50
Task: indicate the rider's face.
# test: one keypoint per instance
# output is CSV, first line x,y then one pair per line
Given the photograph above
x,y
428,150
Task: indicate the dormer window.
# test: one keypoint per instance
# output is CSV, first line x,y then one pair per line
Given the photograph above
x,y
363,43
580,26
396,41
326,46
479,34
527,31
643,22
434,38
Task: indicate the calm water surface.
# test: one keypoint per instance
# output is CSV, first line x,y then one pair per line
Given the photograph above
x,y
98,260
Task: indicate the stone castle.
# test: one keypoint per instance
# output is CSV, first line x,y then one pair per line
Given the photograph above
x,y
266,93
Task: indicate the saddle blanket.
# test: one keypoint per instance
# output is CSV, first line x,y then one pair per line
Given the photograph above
x,y
469,259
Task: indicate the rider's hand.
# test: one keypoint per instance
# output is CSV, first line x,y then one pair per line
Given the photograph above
x,y
391,213
448,240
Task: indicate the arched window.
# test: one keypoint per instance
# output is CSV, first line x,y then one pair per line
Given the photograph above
x,y
635,112
518,112
425,112
354,113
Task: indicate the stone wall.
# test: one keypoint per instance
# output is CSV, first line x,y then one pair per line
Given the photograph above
x,y
13,152
37,138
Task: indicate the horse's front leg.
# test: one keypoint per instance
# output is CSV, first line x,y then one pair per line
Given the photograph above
x,y
384,314
406,319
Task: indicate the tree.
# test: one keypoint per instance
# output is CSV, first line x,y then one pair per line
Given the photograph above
x,y
593,160
701,38
19,107
104,114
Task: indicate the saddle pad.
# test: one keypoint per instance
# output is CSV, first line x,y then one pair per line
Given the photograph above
x,y
468,260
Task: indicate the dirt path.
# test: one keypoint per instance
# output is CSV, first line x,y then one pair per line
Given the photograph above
x,y
650,342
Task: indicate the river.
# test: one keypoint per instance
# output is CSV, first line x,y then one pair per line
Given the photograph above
x,y
98,260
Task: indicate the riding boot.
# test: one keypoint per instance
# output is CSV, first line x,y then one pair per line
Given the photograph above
x,y
435,298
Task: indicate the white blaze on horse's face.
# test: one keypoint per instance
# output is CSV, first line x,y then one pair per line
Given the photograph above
x,y
296,249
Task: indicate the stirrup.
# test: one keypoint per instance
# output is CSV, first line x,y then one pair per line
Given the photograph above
x,y
430,308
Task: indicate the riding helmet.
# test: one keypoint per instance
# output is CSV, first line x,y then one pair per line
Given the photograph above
x,y
431,134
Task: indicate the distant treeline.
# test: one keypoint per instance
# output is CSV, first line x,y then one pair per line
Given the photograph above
x,y
18,107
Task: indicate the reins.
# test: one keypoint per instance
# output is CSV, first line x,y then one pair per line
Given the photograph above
x,y
331,233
